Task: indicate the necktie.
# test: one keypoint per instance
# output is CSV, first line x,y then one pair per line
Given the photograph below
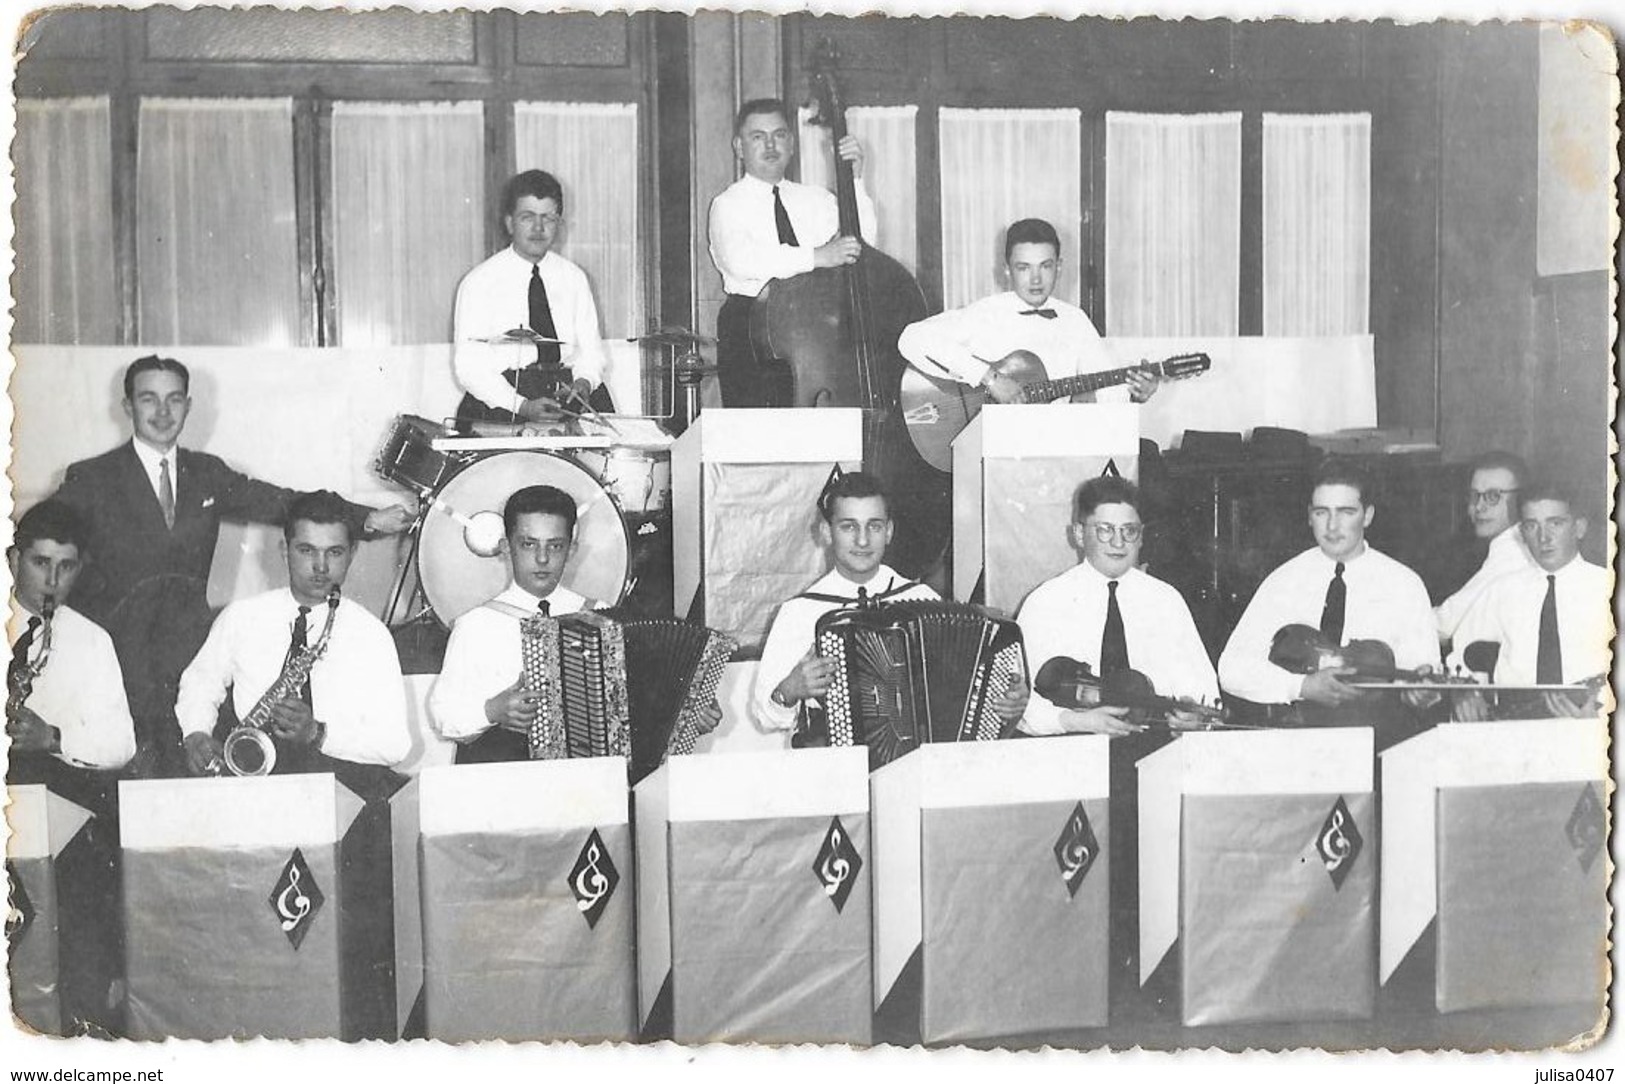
x,y
166,492
781,219
541,319
1048,314
1549,648
297,644
1331,615
544,608
19,652
1113,643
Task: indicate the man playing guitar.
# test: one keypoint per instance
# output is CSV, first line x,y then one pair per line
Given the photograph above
x,y
971,344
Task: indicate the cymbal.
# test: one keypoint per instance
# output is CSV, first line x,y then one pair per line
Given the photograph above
x,y
676,336
518,335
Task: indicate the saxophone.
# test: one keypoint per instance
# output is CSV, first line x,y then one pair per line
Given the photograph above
x,y
20,681
248,748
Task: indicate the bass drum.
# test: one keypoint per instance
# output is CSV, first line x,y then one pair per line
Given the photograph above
x,y
457,559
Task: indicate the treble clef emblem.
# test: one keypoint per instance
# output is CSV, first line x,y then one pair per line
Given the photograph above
x,y
1077,852
835,869
294,915
590,883
1338,842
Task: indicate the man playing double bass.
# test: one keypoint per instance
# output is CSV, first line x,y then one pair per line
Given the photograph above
x,y
764,227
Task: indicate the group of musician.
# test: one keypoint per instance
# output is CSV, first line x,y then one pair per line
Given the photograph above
x,y
137,669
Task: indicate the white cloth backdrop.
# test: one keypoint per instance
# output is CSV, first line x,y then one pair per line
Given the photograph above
x,y
592,148
998,166
408,199
217,242
1317,224
64,277
1173,224
887,136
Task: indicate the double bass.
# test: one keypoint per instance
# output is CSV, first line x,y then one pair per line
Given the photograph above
x,y
836,328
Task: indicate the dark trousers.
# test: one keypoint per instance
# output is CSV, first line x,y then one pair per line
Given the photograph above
x,y
745,381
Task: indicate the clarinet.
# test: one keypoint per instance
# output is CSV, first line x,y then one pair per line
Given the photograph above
x,y
20,680
248,749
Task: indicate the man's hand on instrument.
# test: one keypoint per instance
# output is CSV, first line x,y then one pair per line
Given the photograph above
x,y
204,755
842,250
1002,388
1326,687
514,708
710,717
293,721
1112,721
31,734
392,520
1142,385
1568,705
1470,708
1189,720
852,151
541,409
1420,699
1010,707
810,678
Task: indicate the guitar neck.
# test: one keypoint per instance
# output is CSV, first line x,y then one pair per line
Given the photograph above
x,y
1043,391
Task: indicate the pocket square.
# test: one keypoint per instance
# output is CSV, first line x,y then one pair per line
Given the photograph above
x,y
207,501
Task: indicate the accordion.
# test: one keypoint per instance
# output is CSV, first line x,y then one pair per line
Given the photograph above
x,y
913,672
613,683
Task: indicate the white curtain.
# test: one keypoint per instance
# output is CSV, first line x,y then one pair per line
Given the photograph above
x,y
63,281
1173,224
1317,224
999,166
592,148
217,241
408,206
887,135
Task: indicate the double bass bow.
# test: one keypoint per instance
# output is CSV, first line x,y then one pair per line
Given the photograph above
x,y
836,329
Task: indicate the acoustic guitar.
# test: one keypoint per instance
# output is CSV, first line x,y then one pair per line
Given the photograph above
x,y
937,410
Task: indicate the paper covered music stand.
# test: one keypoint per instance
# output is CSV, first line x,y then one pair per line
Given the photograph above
x,y
527,888
1257,857
1495,832
991,887
43,824
1015,471
233,902
753,897
744,489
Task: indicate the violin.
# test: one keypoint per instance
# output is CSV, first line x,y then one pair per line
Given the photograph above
x,y
1303,649
1069,683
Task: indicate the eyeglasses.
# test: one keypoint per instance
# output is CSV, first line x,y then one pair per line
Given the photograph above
x,y
1108,532
527,218
1489,497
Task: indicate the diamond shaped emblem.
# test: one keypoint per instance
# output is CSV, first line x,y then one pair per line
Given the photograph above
x,y
837,864
1339,842
593,879
1584,828
1076,849
296,899
20,909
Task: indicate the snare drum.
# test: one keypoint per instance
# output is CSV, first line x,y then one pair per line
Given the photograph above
x,y
638,478
407,459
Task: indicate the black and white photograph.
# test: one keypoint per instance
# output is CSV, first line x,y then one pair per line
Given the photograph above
x,y
810,541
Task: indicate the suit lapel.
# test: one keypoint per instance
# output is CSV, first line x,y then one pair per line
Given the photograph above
x,y
136,489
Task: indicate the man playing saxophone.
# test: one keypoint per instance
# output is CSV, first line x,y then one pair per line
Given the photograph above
x,y
350,710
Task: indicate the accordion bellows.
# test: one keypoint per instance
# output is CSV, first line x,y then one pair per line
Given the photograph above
x,y
614,683
912,672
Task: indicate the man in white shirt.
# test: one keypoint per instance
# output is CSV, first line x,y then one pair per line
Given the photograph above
x,y
479,699
764,227
968,344
351,710
1108,613
856,528
527,286
1492,508
1347,590
1552,622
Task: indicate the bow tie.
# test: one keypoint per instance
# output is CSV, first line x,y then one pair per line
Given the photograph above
x,y
1048,314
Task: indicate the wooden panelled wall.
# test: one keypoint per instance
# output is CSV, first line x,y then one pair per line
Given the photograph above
x,y
1468,337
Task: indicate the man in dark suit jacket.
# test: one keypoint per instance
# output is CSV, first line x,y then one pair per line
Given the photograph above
x,y
154,511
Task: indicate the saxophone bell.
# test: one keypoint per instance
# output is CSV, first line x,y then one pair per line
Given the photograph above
x,y
248,750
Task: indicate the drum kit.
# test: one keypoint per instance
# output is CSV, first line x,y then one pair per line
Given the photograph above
x,y
619,477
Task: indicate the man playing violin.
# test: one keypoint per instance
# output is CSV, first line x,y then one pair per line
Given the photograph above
x,y
1343,587
527,287
765,227
967,344
1551,621
855,527
1107,613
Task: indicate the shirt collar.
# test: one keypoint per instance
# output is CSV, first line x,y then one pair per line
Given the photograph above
x,y
521,599
150,457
